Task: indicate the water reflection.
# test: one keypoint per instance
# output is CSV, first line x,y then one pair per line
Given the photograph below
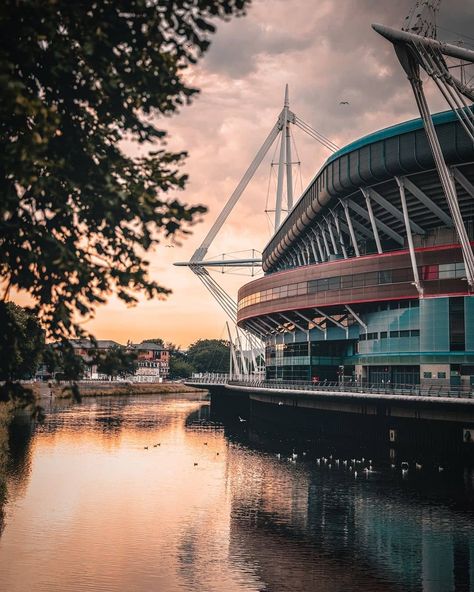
x,y
160,493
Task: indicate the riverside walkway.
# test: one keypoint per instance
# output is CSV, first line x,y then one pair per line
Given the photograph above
x,y
441,393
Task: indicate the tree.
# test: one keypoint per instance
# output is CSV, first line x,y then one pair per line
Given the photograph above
x,y
77,211
156,340
21,342
209,355
116,361
180,368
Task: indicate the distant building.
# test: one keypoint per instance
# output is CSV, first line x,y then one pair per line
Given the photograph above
x,y
84,348
153,361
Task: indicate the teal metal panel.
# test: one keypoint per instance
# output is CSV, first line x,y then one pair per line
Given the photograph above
x,y
469,322
390,132
434,324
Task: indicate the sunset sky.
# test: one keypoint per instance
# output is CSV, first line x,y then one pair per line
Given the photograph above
x,y
327,52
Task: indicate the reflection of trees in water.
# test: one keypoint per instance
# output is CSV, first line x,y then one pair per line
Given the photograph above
x,y
107,415
15,456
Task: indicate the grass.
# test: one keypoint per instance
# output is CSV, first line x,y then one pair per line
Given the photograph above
x,y
104,389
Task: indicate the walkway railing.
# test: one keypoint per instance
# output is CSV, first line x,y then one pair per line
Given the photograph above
x,y
456,392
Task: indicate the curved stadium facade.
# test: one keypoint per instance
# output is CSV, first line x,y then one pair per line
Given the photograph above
x,y
343,294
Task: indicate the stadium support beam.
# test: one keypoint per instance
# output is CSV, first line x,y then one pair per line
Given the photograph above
x,y
461,179
357,317
297,325
281,172
232,352
329,318
318,242
289,168
298,258
201,252
363,229
309,250
351,228
309,321
313,249
373,223
263,323
256,329
393,210
243,361
325,240
331,235
278,325
426,201
406,219
397,36
339,234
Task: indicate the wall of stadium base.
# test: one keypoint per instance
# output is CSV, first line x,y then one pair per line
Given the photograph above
x,y
400,429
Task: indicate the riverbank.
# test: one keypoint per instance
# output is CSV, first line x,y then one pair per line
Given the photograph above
x,y
109,389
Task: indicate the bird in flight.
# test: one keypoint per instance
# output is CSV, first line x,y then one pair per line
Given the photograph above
x,y
343,102
169,246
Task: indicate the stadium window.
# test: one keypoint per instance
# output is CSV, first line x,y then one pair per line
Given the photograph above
x,y
441,374
394,333
323,285
415,333
393,305
446,271
346,281
427,375
460,270
383,334
404,333
385,276
402,275
429,272
363,337
334,283
457,336
371,278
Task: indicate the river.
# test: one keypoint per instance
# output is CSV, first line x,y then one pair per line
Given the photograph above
x,y
160,493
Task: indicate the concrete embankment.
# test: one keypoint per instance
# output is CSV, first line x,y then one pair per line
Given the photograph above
x,y
104,389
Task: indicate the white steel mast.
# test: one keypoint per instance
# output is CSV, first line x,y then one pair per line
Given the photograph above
x,y
198,264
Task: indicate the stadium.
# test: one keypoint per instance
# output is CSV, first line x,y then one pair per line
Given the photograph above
x,y
366,280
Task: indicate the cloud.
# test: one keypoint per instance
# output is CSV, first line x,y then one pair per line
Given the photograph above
x,y
327,52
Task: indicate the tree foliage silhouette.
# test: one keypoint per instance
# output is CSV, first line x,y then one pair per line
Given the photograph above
x,y
80,82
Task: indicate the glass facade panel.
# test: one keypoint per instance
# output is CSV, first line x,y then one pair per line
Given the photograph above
x,y
457,334
469,322
434,324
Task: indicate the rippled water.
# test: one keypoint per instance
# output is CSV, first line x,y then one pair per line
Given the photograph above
x,y
210,506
